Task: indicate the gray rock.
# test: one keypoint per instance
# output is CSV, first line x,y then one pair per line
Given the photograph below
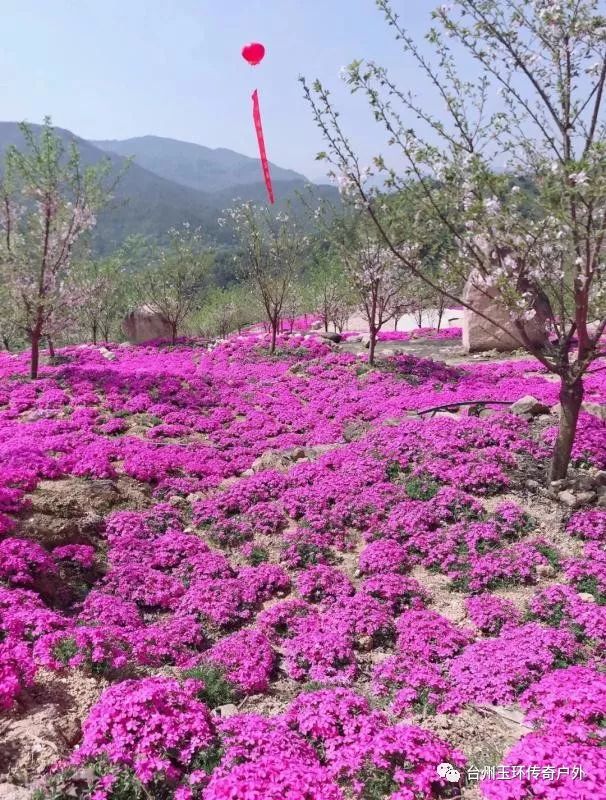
x,y
331,337
583,498
107,354
586,597
576,499
568,498
595,409
529,405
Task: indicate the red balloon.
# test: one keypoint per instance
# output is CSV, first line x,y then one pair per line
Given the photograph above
x,y
253,53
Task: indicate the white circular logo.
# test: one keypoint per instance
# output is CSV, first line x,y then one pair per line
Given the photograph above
x,y
447,771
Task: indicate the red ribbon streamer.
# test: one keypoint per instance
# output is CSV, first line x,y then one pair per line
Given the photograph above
x,y
262,153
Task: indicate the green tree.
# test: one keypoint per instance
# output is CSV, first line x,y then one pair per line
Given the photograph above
x,y
330,293
227,310
272,249
174,283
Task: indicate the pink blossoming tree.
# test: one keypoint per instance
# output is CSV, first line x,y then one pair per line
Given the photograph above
x,y
48,200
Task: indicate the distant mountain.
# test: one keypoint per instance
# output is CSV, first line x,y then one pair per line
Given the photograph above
x,y
194,165
149,202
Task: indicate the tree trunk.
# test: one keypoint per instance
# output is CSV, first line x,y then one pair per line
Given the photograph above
x,y
440,315
94,333
173,329
395,323
274,333
371,346
571,398
6,343
51,349
35,355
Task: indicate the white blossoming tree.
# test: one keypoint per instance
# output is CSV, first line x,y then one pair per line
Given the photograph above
x,y
47,201
513,171
376,278
272,249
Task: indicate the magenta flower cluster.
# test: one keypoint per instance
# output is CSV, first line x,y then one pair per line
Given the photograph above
x,y
309,566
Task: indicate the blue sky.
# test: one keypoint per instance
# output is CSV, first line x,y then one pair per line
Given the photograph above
x,y
121,68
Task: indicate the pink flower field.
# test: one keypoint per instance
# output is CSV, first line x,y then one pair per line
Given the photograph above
x,y
295,586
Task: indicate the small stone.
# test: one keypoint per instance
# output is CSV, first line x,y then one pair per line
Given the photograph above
x,y
545,571
595,409
586,483
568,498
378,655
107,354
298,453
532,484
9,791
586,597
225,711
584,498
178,502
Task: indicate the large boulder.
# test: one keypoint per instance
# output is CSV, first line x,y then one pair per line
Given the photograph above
x,y
145,324
498,332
